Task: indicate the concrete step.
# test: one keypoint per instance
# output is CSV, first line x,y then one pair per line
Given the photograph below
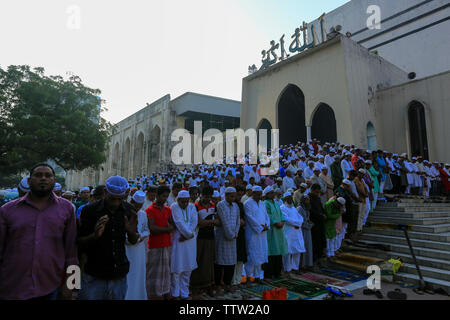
x,y
413,278
441,237
437,228
418,251
411,204
426,272
409,221
423,261
411,215
402,240
412,209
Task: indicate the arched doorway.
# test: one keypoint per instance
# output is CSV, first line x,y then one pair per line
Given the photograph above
x,y
324,124
371,137
265,124
138,155
418,130
291,115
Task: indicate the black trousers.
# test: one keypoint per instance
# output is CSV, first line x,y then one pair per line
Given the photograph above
x,y
272,269
228,273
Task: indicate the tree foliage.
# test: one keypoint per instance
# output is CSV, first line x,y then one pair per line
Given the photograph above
x,y
49,117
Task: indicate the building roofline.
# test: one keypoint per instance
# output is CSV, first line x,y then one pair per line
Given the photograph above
x,y
415,81
204,95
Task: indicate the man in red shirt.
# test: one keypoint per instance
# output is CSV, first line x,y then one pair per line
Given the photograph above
x,y
158,259
355,158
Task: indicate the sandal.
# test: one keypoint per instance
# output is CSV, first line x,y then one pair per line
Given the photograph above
x,y
397,295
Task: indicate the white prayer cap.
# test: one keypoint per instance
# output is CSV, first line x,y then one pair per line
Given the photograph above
x,y
278,190
447,164
320,156
304,185
310,162
395,155
347,182
368,151
316,168
57,187
279,179
368,162
414,158
85,189
287,194
68,193
257,188
139,196
249,187
267,190
23,185
362,171
404,155
92,191
216,194
230,190
341,200
183,194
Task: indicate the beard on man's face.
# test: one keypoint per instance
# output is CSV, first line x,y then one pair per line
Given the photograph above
x,y
40,191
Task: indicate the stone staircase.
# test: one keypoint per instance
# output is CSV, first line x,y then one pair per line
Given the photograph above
x,y
429,235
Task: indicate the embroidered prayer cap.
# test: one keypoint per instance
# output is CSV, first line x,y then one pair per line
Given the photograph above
x,y
23,185
267,190
230,190
257,189
216,194
139,196
287,194
341,200
183,194
117,186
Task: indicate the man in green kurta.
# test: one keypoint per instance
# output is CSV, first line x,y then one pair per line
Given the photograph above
x,y
276,240
333,210
376,185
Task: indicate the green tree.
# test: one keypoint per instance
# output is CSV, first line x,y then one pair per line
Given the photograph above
x,y
48,117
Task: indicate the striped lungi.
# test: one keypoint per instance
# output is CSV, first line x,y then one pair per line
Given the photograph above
x,y
158,272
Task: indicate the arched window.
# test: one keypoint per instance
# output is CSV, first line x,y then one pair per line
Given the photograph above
x,y
418,130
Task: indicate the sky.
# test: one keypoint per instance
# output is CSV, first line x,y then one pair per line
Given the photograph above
x,y
137,51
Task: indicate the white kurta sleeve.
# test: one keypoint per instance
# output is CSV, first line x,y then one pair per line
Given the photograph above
x,y
288,218
193,218
251,212
143,222
181,225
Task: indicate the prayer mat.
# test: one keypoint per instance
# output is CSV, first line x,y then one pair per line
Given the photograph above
x,y
306,289
343,275
257,291
323,279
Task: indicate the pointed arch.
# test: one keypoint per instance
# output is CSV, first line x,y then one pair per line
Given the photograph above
x,y
418,130
323,122
291,115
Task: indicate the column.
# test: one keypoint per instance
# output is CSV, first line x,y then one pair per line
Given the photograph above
x,y
308,133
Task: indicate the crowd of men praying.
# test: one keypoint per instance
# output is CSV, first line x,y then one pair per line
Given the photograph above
x,y
202,230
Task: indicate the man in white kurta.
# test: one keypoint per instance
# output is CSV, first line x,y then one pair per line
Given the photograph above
x,y
137,253
293,232
184,245
257,223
